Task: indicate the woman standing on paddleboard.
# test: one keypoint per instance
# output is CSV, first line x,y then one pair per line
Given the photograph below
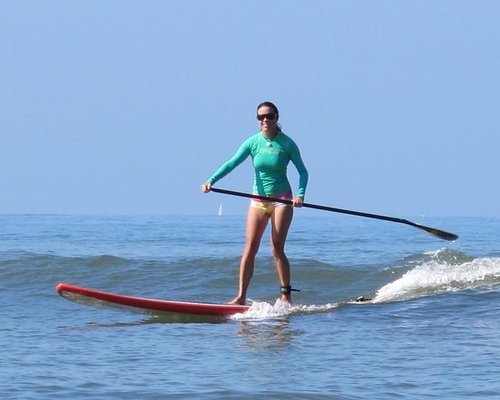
x,y
271,151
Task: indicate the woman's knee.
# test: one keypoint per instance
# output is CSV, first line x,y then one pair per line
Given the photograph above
x,y
252,248
278,251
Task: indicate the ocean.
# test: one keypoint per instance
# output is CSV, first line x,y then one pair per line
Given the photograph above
x,y
432,332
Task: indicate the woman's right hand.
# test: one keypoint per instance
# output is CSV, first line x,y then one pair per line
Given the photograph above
x,y
205,188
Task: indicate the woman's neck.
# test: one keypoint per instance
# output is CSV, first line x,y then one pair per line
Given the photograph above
x,y
271,134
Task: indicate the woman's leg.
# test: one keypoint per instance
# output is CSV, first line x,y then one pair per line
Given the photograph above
x,y
281,220
256,225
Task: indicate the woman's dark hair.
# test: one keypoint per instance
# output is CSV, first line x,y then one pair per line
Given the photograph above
x,y
269,104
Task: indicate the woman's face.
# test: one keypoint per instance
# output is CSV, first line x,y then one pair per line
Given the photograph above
x,y
268,120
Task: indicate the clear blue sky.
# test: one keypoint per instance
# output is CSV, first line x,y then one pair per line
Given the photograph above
x,y
126,107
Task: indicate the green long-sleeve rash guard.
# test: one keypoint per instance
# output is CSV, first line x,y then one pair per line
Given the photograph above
x,y
270,160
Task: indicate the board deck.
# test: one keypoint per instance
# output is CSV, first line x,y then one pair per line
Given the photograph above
x,y
94,297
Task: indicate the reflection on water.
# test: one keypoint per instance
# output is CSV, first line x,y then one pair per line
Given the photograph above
x,y
269,334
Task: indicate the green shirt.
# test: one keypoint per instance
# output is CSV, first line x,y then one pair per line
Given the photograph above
x,y
270,160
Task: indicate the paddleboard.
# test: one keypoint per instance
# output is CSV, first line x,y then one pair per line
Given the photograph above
x,y
97,297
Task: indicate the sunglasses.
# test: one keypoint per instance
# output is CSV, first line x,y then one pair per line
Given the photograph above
x,y
269,116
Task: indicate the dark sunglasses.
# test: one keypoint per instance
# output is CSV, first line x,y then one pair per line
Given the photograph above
x,y
269,116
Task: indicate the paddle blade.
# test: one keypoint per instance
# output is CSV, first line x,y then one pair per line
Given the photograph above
x,y
438,233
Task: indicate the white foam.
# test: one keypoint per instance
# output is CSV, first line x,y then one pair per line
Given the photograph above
x,y
436,277
262,310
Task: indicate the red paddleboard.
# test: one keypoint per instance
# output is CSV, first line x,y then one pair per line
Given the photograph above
x,y
98,297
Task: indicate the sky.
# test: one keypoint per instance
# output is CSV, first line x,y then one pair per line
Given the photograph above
x,y
127,107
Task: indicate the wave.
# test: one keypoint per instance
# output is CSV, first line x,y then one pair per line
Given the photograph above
x,y
197,279
442,271
213,279
418,275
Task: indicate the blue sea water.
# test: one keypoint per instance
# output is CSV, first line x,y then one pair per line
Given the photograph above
x,y
433,331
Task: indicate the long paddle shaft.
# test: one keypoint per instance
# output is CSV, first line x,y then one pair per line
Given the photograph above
x,y
433,231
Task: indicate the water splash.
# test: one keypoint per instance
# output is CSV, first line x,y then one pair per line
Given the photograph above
x,y
262,310
442,272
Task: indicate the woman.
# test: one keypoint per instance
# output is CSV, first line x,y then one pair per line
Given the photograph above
x,y
271,151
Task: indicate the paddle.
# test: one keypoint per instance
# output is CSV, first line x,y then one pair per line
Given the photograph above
x,y
433,231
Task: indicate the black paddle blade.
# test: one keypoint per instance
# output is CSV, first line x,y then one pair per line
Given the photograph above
x,y
438,233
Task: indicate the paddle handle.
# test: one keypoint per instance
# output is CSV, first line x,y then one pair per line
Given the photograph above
x,y
308,205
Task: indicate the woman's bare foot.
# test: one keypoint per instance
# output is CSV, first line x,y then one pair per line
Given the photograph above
x,y
286,298
238,301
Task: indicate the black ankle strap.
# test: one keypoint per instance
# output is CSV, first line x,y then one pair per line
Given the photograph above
x,y
288,289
